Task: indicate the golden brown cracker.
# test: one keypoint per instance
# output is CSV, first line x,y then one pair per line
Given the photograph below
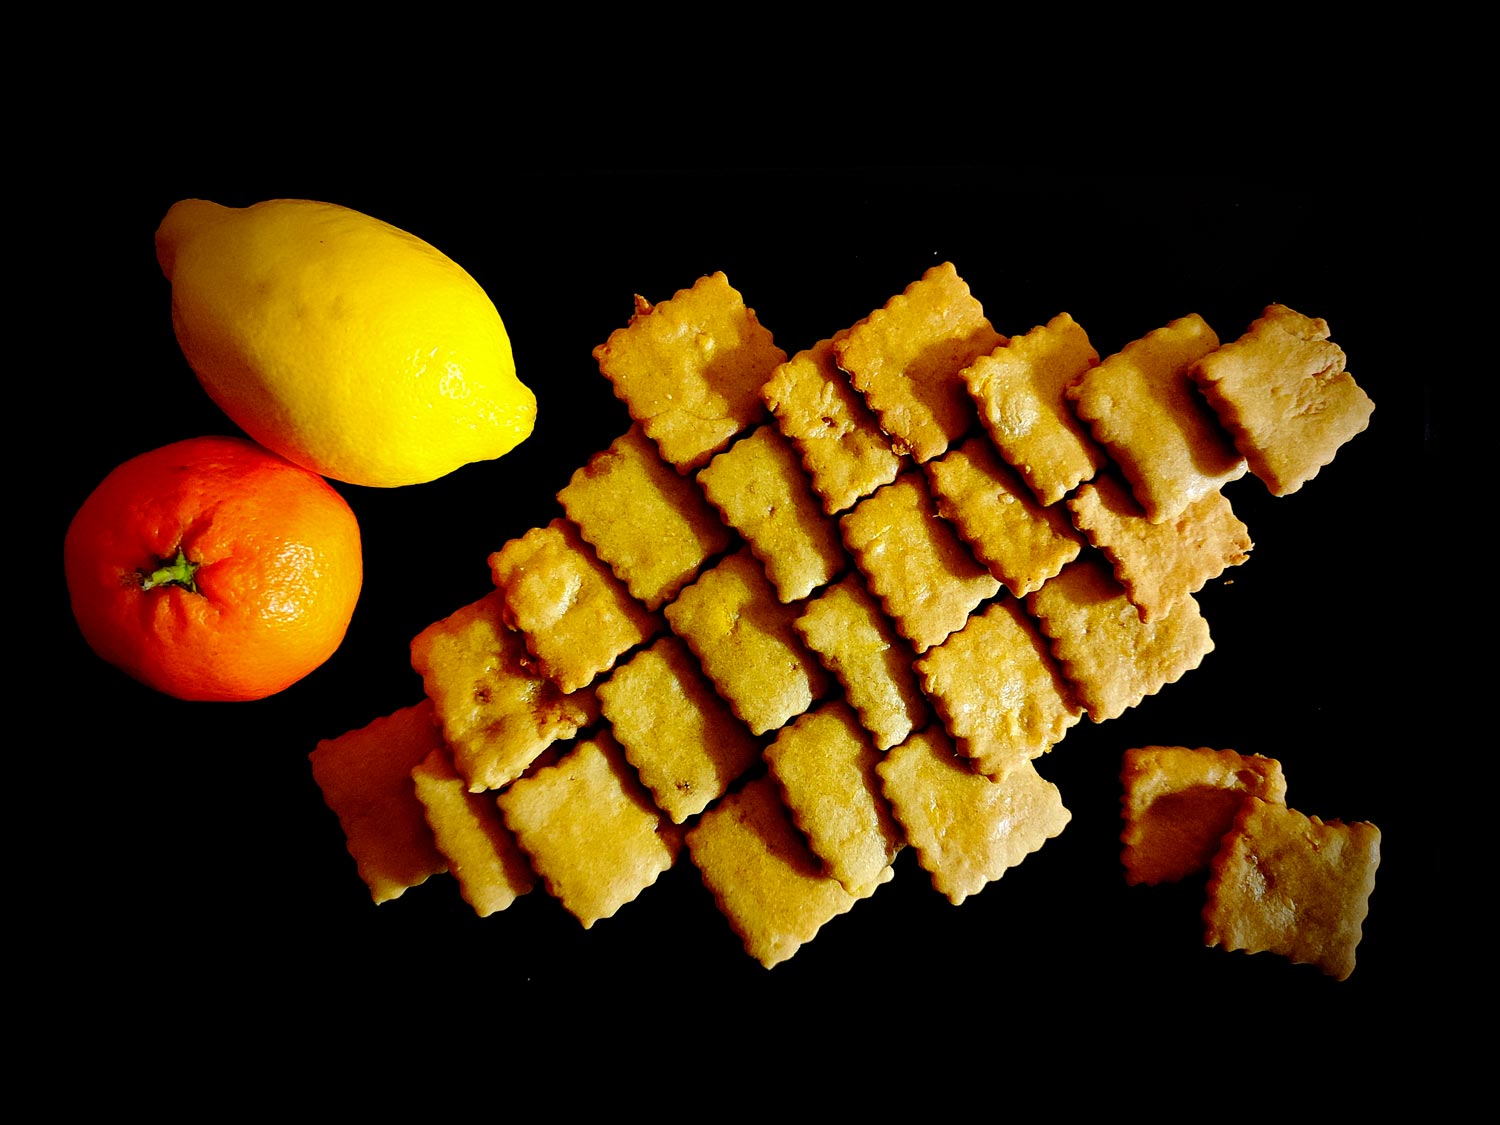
x,y
1160,564
481,852
1291,884
496,713
590,829
575,615
825,766
1021,542
906,359
761,491
679,735
1020,390
653,527
690,369
924,576
968,829
365,777
1178,804
744,639
843,449
998,692
1143,406
1282,391
1112,658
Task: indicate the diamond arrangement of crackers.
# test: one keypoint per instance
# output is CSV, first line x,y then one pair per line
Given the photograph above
x,y
811,712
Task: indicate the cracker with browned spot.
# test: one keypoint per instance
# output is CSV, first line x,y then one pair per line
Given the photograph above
x,y
1112,658
679,735
843,449
1022,542
1178,804
761,491
1020,390
496,712
907,357
690,369
1143,406
1160,564
1282,391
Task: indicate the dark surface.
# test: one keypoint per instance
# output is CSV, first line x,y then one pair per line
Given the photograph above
x,y
210,843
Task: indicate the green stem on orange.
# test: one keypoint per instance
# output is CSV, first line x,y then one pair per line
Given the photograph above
x,y
178,572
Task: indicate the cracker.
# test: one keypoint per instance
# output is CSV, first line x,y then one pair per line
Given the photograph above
x,y
919,569
1022,542
906,359
690,369
1143,406
857,643
590,829
997,690
576,616
652,526
467,828
1112,658
1282,392
1291,884
681,737
843,449
1020,390
496,713
1178,804
1160,564
968,829
365,777
744,639
764,879
825,766
760,490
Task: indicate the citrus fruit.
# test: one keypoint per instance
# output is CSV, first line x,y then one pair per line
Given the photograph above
x,y
213,569
346,345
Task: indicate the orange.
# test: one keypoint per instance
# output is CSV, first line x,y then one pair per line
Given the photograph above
x,y
214,569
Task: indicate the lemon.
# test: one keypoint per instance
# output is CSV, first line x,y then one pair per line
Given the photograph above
x,y
340,342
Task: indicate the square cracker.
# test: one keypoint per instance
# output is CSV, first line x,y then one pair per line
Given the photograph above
x,y
825,766
968,829
1020,390
496,713
365,777
1290,884
690,369
914,563
1160,564
1144,407
481,852
1179,803
679,735
906,359
591,831
1021,542
843,449
652,526
1112,658
857,643
760,489
745,641
1281,390
997,690
575,615
766,882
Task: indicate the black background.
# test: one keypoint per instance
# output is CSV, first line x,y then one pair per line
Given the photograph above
x,y
217,884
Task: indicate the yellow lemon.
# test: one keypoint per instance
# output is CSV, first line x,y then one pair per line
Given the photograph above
x,y
342,343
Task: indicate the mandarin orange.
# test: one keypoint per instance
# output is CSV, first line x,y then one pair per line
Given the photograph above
x,y
212,569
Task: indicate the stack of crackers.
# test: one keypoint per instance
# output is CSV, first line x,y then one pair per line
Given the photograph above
x,y
809,610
